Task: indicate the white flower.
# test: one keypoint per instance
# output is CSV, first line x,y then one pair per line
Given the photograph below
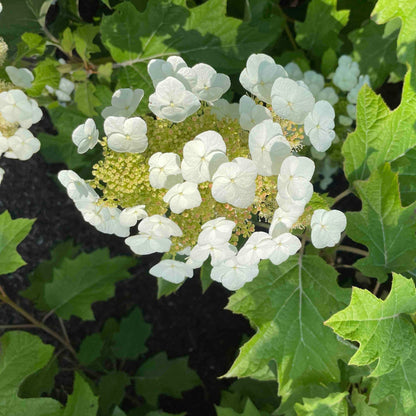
x,y
286,245
76,187
172,270
183,196
252,113
65,89
172,101
202,156
130,216
159,226
314,81
223,109
126,135
283,220
346,74
4,144
2,172
164,170
85,136
259,245
124,103
234,183
291,100
112,225
217,231
144,243
352,111
319,125
327,227
1,7
218,252
328,94
293,71
15,106
22,145
210,85
259,75
268,147
293,180
353,94
232,274
21,77
175,67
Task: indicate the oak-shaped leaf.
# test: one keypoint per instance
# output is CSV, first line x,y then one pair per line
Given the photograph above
x,y
405,10
395,393
12,232
159,375
287,304
21,355
384,226
321,27
381,135
382,327
78,283
333,405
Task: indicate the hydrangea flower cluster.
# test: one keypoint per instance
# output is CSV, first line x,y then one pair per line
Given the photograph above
x,y
18,113
200,174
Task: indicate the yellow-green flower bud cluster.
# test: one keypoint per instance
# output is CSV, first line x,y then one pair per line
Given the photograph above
x,y
123,178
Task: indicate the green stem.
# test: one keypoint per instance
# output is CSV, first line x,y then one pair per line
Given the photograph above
x,y
341,195
353,250
287,28
37,324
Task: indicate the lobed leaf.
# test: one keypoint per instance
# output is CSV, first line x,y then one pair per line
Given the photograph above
x,y
380,326
12,232
287,304
384,226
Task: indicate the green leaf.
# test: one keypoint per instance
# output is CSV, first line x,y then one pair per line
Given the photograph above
x,y
386,10
12,232
87,279
82,401
262,393
384,226
85,98
111,390
202,33
320,30
21,355
158,375
45,73
165,288
59,148
362,408
375,50
381,135
400,385
90,349
168,27
44,272
131,339
84,41
249,410
205,273
406,167
67,41
43,381
288,304
329,62
383,330
32,44
333,405
104,73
